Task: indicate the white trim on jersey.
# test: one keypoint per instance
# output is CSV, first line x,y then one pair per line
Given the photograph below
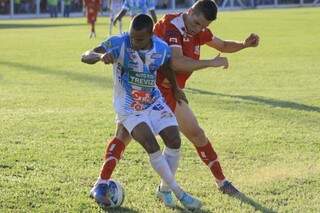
x,y
175,45
179,23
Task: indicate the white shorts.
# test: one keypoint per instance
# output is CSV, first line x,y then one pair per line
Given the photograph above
x,y
158,117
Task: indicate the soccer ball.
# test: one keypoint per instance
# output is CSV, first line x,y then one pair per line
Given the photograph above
x,y
114,194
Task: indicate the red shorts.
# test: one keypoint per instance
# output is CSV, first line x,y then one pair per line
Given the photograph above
x,y
91,15
168,96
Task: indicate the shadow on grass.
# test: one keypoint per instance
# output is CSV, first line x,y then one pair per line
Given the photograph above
x,y
25,25
104,82
180,209
257,206
120,210
261,100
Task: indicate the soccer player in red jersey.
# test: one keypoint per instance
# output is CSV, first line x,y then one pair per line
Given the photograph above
x,y
185,33
92,7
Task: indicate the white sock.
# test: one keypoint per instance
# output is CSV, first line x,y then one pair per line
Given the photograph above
x,y
99,181
161,166
220,182
172,156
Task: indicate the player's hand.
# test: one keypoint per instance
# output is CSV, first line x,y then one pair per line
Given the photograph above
x,y
179,95
90,57
107,58
219,61
252,40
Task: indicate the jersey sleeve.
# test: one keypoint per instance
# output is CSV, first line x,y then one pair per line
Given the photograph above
x,y
206,36
112,45
151,5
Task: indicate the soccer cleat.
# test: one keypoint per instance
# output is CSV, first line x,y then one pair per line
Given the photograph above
x,y
98,192
166,197
189,202
229,189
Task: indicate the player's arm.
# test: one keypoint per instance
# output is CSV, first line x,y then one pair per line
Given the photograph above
x,y
180,62
178,94
97,54
228,46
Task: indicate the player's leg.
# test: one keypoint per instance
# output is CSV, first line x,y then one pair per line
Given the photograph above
x,y
164,123
114,151
144,135
190,127
171,153
171,150
93,30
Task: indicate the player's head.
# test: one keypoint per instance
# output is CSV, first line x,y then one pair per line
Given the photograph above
x,y
200,15
141,31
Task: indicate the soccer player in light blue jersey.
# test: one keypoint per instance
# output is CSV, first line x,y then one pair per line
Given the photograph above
x,y
136,7
139,105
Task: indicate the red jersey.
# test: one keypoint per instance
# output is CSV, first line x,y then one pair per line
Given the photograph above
x,y
92,8
92,4
172,30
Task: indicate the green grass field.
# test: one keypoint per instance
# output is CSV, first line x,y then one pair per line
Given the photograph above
x,y
263,115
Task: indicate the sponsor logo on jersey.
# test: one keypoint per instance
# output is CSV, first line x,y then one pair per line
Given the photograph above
x,y
140,99
141,79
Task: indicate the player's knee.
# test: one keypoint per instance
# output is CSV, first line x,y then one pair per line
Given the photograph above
x,y
174,141
124,139
151,147
123,135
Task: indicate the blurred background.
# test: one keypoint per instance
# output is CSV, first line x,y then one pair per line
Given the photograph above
x,y
66,8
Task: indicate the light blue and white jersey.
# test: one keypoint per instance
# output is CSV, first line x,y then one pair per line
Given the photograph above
x,y
138,6
134,73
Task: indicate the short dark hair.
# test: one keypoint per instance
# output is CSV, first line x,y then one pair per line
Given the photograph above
x,y
142,21
208,8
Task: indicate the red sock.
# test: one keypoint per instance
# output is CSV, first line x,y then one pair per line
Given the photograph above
x,y
210,158
112,155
